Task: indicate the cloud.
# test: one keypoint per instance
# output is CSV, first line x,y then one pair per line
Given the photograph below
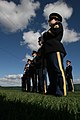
x,y
27,56
11,80
16,17
31,39
58,7
69,35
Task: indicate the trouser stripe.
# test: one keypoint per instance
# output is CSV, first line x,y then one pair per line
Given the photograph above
x,y
45,86
63,75
72,85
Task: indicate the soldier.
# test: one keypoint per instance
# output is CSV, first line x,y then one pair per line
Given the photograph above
x,y
23,78
26,77
33,72
28,74
69,76
54,53
42,68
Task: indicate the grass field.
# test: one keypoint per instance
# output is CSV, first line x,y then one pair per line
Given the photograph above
x,y
18,105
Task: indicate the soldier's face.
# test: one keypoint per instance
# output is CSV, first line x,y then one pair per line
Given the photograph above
x,y
34,55
29,62
67,63
53,21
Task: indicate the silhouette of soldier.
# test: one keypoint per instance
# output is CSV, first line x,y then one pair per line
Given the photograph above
x,y
26,77
43,64
33,73
54,53
69,76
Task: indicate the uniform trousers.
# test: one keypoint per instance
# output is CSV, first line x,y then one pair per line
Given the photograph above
x,y
70,84
40,80
56,74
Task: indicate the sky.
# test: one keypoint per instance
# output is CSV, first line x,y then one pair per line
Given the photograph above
x,y
22,22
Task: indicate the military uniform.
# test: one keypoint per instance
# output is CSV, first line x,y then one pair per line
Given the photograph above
x,y
39,73
42,67
54,53
69,77
38,81
33,76
26,79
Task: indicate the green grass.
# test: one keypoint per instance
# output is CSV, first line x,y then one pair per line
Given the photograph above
x,y
18,105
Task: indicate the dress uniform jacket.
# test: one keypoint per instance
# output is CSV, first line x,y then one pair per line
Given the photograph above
x,y
54,52
69,72
52,39
69,78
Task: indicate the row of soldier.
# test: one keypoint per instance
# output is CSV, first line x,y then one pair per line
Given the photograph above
x,y
50,55
35,70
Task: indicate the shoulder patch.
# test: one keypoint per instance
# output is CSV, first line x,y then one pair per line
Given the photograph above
x,y
56,26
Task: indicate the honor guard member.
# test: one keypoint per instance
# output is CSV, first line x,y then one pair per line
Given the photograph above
x,y
34,74
69,76
38,79
28,74
54,53
26,78
23,78
43,74
39,73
